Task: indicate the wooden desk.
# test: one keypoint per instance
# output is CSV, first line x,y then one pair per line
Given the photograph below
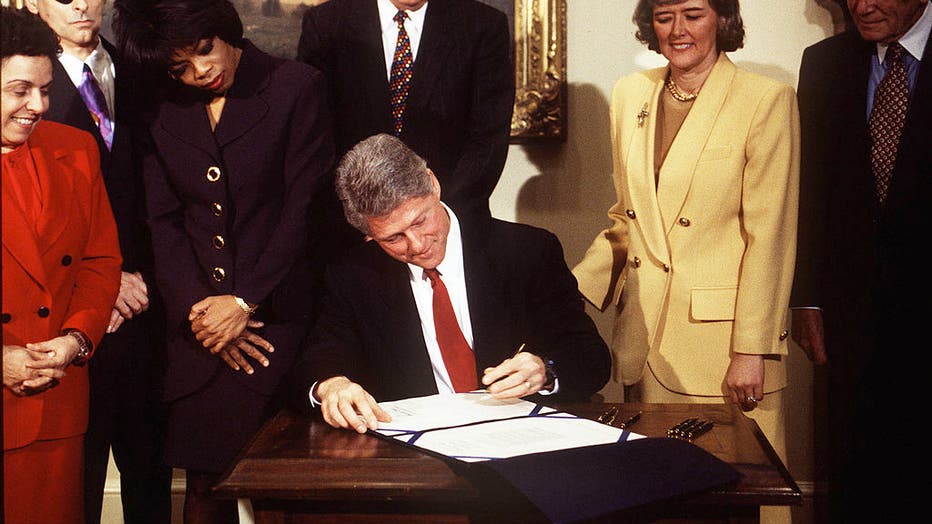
x,y
300,470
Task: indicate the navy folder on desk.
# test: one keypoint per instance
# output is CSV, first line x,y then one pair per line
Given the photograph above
x,y
584,483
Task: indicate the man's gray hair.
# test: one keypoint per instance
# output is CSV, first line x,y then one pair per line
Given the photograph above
x,y
376,176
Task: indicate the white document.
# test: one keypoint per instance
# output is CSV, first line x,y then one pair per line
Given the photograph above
x,y
475,426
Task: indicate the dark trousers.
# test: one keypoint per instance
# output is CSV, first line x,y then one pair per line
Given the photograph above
x,y
127,415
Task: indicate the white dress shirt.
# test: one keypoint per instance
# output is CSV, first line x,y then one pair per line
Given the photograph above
x,y
414,26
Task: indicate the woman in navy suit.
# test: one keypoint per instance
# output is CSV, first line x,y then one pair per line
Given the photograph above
x,y
236,155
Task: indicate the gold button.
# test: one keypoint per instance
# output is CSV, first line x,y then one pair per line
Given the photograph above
x,y
666,268
217,209
213,174
637,262
630,213
219,274
684,222
784,334
218,242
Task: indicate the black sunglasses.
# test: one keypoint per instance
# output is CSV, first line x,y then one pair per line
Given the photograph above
x,y
64,2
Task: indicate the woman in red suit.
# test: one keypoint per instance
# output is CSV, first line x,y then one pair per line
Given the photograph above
x,y
61,273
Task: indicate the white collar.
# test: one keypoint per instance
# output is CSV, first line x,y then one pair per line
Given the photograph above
x,y
914,41
452,263
387,12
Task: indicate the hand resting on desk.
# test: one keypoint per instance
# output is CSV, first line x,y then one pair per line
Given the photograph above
x,y
345,404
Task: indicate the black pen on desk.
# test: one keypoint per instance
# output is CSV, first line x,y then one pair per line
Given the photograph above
x,y
682,425
689,428
677,430
706,426
631,420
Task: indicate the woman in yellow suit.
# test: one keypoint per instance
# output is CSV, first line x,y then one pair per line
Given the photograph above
x,y
699,259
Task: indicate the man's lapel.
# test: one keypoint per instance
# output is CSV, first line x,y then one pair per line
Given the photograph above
x,y
400,321
433,50
370,58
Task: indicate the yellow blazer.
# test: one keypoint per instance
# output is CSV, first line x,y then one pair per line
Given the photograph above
x,y
701,266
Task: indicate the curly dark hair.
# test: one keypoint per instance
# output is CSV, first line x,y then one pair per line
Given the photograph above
x,y
730,36
24,33
149,32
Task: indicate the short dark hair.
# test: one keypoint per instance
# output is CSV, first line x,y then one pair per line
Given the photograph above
x,y
24,33
149,32
376,176
730,35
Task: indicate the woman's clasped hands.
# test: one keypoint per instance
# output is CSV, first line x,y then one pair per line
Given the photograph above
x,y
225,329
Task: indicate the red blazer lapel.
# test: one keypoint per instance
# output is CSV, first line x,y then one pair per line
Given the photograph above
x,y
57,188
19,237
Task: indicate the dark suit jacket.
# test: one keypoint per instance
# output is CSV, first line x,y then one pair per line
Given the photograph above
x,y
458,113
269,156
858,260
118,165
519,290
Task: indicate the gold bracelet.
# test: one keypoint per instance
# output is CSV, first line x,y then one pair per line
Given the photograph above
x,y
249,310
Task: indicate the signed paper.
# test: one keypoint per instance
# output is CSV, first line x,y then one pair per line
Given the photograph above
x,y
475,427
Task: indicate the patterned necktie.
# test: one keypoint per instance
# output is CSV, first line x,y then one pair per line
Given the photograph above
x,y
887,118
400,80
97,105
458,357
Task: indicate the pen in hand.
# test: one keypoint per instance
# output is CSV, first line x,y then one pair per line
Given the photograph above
x,y
519,350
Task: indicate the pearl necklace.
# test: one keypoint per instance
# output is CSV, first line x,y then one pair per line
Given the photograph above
x,y
677,94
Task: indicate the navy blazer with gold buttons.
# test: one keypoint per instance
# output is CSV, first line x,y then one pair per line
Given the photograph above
x,y
230,210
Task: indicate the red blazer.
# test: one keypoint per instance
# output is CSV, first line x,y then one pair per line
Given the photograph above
x,y
70,281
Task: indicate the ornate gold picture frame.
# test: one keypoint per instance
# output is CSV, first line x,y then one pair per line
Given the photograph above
x,y
540,71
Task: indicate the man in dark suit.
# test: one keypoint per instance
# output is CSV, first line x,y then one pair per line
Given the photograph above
x,y
453,108
439,301
125,407
861,301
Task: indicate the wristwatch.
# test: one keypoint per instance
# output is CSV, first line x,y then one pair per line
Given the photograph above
x,y
84,347
245,306
550,369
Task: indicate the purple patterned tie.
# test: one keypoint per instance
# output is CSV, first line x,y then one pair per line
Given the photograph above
x,y
400,80
887,118
97,105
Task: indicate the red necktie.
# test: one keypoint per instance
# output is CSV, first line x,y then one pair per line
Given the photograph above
x,y
400,80
887,118
457,355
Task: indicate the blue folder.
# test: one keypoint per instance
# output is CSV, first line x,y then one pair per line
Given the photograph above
x,y
584,483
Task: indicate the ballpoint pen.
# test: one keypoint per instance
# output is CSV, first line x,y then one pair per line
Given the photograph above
x,y
704,427
519,350
608,417
689,428
677,429
631,420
